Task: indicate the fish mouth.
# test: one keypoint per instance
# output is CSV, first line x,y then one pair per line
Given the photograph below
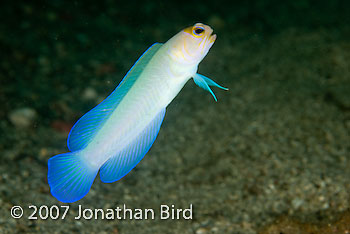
x,y
212,38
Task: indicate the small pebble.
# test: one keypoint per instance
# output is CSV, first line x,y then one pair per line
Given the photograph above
x,y
22,117
201,231
89,94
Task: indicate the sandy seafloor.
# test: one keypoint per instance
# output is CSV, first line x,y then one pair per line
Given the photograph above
x,y
277,143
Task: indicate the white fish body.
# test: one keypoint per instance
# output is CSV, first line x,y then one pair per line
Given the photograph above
x,y
114,136
154,89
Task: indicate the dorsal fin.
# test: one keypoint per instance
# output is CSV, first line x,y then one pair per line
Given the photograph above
x,y
87,126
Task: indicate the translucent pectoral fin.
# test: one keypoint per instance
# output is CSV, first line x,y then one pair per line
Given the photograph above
x,y
205,83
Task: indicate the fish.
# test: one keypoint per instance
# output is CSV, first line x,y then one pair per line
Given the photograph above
x,y
114,136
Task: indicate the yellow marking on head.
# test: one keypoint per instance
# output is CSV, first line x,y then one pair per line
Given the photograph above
x,y
196,31
188,30
192,43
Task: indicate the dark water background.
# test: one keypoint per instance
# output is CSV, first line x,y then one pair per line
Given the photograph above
x,y
276,144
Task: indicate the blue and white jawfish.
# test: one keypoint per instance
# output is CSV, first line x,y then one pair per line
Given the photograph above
x,y
115,135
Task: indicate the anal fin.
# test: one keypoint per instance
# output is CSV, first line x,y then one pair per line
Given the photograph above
x,y
128,157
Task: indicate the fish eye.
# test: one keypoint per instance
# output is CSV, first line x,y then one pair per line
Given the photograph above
x,y
197,31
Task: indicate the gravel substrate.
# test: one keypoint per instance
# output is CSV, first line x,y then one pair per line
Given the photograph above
x,y
277,143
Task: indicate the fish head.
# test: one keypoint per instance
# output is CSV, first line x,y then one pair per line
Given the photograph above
x,y
192,44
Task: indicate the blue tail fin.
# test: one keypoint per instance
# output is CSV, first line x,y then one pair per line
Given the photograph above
x,y
69,177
